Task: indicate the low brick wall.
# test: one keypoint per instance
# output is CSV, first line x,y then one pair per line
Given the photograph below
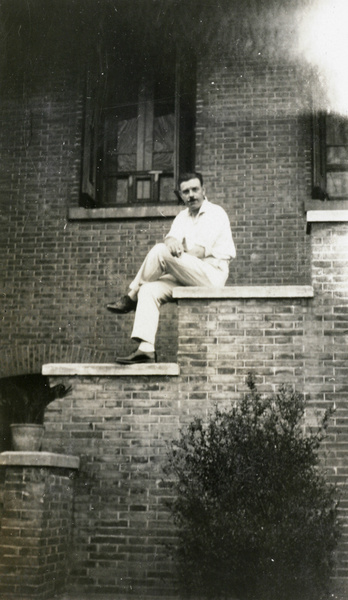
x,y
35,524
225,334
118,425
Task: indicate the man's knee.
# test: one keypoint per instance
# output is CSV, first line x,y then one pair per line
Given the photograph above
x,y
160,250
155,291
148,290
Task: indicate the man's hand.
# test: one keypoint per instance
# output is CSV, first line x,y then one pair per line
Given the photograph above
x,y
175,247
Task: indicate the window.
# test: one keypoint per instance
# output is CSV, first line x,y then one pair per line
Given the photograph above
x,y
330,157
138,130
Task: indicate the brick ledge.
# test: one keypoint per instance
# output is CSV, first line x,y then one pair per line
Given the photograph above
x,y
245,291
111,369
39,459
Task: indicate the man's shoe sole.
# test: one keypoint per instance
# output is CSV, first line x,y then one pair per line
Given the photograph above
x,y
119,311
135,360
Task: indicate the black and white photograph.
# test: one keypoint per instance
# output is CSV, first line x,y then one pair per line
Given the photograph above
x,y
173,300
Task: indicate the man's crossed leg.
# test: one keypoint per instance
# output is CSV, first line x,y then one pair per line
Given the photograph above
x,y
153,285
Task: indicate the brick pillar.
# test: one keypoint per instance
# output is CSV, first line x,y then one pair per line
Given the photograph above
x,y
36,523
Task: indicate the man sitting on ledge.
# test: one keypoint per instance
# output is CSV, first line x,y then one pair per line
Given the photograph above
x,y
196,252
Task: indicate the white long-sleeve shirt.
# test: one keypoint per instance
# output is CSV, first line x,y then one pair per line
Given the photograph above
x,y
210,228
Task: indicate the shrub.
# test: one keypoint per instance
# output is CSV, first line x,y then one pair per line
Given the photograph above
x,y
256,517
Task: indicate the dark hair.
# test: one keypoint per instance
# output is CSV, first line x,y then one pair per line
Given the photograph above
x,y
187,176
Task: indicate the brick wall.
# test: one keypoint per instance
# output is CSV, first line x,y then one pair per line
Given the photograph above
x,y
253,144
120,426
327,343
57,276
35,532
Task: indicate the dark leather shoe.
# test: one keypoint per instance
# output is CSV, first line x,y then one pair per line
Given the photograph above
x,y
137,357
124,305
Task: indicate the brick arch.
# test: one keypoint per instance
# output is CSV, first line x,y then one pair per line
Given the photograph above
x,y
21,359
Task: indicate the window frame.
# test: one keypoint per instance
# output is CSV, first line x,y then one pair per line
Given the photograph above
x,y
321,208
321,164
92,141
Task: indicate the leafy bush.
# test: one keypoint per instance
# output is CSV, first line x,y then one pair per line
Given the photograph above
x,y
255,514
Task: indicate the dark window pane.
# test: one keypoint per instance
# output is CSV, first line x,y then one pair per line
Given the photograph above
x,y
337,155
126,162
164,133
163,161
336,131
337,184
167,189
121,191
127,136
143,190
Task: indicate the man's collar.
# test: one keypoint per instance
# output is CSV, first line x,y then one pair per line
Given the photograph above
x,y
204,206
202,210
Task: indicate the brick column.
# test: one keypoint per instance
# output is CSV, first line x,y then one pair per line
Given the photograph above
x,y
225,333
36,523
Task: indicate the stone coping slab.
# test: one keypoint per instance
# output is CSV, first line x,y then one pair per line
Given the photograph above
x,y
244,291
327,216
39,459
111,369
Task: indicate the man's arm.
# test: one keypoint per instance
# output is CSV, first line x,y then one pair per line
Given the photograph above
x,y
198,251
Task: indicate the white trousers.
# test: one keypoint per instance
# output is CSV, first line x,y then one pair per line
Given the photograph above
x,y
159,274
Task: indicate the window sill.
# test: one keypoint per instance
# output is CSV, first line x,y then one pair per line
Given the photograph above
x,y
327,211
111,369
244,291
124,212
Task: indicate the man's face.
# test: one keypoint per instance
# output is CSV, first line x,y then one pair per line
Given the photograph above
x,y
192,193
